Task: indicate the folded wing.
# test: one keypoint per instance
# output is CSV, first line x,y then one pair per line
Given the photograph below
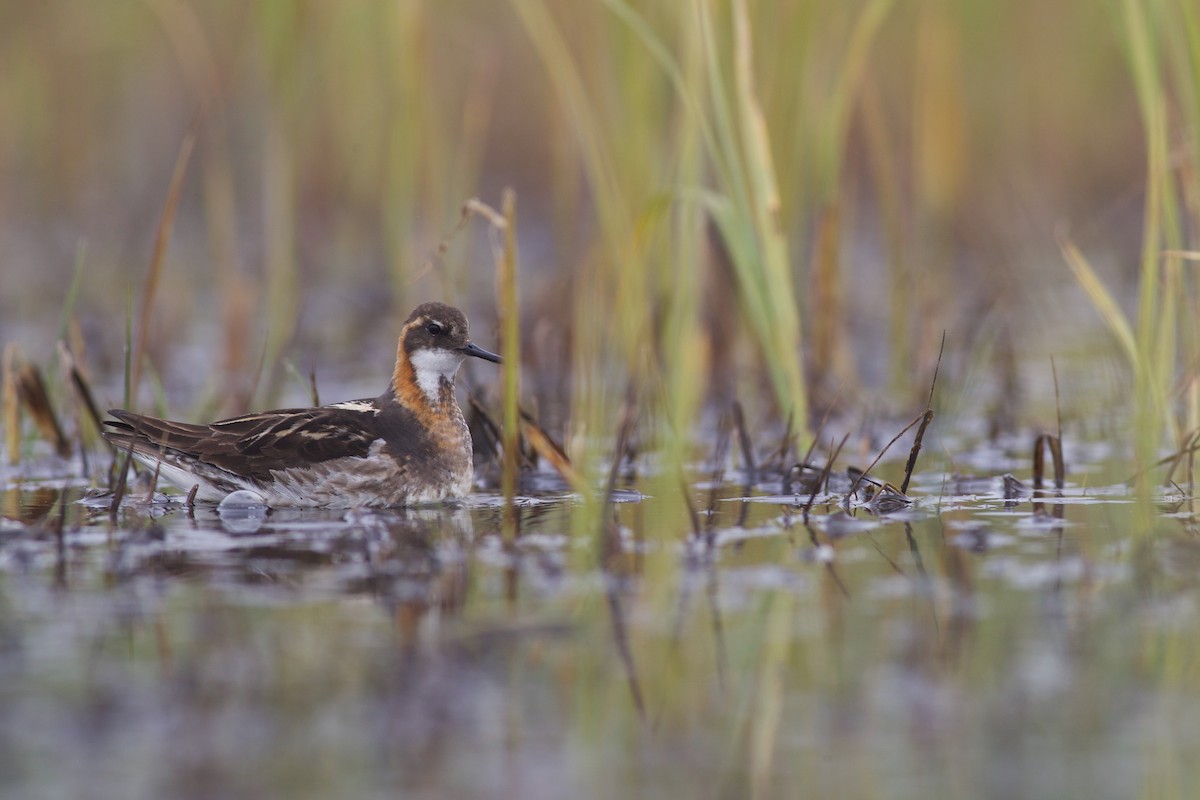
x,y
253,445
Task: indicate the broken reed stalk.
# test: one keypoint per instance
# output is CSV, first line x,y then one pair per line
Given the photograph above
x,y
504,222
1190,440
924,419
123,475
31,389
886,447
1054,445
1191,476
937,366
473,207
1043,442
624,429
1191,446
719,454
162,237
552,451
693,515
486,424
83,391
780,456
927,418
739,421
153,482
609,533
66,366
12,406
803,463
824,477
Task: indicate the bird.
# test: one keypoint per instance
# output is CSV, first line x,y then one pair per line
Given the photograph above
x,y
408,446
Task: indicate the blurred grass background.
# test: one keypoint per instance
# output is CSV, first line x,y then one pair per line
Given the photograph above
x,y
779,202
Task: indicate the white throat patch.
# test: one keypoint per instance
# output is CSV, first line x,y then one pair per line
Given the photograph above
x,y
433,364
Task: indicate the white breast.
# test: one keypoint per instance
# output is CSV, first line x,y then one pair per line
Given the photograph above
x,y
431,366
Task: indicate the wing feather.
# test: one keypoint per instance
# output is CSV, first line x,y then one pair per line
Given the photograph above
x,y
253,445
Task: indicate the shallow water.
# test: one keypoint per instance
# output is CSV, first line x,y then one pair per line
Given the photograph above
x,y
966,645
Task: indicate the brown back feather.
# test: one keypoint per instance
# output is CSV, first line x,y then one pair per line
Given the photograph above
x,y
252,445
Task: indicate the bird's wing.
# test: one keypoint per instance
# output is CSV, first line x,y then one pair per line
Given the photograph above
x,y
253,445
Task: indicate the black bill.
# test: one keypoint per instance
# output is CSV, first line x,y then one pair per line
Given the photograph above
x,y
471,349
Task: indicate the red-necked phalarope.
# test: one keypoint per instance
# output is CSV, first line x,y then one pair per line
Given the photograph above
x,y
408,446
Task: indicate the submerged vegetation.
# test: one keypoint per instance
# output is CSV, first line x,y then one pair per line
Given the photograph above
x,y
754,238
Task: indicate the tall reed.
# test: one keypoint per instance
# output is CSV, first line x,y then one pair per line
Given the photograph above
x,y
717,105
510,348
1162,44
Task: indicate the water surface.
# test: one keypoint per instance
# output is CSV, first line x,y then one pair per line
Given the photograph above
x,y
967,645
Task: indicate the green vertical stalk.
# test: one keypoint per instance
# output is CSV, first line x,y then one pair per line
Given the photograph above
x,y
604,332
510,349
73,290
1183,47
684,344
1157,302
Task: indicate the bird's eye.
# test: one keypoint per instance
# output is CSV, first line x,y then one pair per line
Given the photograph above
x,y
434,328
